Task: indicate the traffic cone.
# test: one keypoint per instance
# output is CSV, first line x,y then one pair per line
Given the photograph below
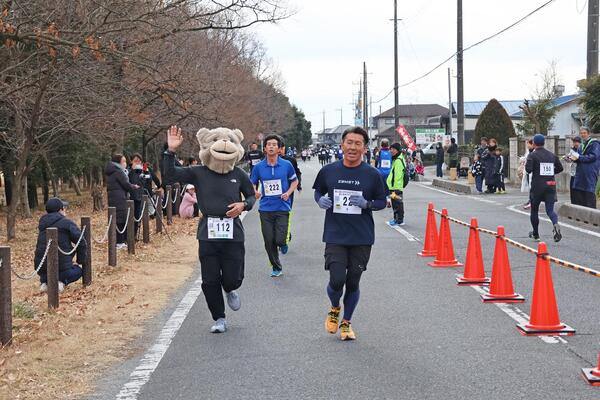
x,y
501,285
431,235
592,375
445,250
544,320
474,274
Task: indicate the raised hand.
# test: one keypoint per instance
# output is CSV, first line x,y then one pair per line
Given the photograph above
x,y
174,138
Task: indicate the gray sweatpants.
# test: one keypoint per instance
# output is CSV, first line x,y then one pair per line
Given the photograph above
x,y
274,226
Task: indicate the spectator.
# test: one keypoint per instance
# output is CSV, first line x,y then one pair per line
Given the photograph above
x,y
187,208
488,159
68,234
135,178
588,165
118,187
573,167
453,153
500,171
418,154
477,171
525,177
191,161
439,160
483,146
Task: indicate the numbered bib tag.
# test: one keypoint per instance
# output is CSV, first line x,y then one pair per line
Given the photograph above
x,y
255,161
546,169
273,187
220,228
386,164
341,200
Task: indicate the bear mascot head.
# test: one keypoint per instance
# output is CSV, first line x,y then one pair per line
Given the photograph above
x,y
220,149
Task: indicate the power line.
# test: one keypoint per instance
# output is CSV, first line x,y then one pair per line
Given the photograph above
x,y
472,46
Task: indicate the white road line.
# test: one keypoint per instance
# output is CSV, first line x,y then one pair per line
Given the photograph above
x,y
520,317
484,200
437,190
404,233
141,375
575,228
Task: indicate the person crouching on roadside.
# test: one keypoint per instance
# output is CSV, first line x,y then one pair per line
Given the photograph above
x,y
68,236
187,209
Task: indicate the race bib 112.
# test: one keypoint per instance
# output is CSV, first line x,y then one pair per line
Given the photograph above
x,y
220,228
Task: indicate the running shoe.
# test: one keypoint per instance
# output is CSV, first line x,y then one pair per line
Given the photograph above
x,y
346,331
276,273
333,318
526,206
400,223
556,233
284,249
392,222
220,326
534,236
233,300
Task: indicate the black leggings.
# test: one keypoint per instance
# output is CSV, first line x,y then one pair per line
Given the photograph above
x,y
222,267
548,196
346,265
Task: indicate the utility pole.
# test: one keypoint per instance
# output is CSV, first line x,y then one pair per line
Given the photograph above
x,y
592,39
460,97
365,105
396,111
341,110
449,103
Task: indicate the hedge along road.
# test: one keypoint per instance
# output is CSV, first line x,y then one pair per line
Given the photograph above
x,y
419,336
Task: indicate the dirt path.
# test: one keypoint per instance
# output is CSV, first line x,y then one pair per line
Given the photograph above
x,y
57,355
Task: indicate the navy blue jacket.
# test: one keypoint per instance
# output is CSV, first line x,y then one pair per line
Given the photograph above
x,y
68,235
588,164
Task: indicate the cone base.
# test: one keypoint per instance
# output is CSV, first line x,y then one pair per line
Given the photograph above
x,y
445,264
565,330
590,377
462,281
427,253
515,298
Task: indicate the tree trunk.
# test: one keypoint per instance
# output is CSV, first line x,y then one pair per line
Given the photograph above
x,y
8,182
32,195
45,188
25,209
13,209
75,184
97,196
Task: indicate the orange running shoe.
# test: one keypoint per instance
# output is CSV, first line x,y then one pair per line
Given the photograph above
x,y
333,317
347,332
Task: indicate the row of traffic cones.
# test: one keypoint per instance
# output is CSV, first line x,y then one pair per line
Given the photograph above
x,y
544,318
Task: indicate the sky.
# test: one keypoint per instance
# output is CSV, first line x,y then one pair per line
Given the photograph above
x,y
320,51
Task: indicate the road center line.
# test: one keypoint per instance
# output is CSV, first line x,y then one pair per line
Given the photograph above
x,y
141,375
520,317
575,228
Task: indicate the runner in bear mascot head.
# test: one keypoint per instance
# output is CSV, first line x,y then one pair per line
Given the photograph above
x,y
220,148
223,191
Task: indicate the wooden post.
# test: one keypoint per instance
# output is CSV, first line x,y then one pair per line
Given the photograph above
x,y
86,222
169,205
52,267
159,213
131,228
146,218
5,298
177,198
112,237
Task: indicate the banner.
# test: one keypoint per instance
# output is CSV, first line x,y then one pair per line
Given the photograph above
x,y
406,138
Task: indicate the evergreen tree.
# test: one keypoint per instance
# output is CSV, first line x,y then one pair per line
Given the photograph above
x,y
494,122
591,102
299,134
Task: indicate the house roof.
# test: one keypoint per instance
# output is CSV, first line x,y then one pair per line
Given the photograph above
x,y
415,110
559,102
475,108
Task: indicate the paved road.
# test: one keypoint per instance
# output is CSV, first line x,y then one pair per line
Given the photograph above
x,y
419,336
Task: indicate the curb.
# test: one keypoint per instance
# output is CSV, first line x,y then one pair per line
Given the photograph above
x,y
581,214
452,185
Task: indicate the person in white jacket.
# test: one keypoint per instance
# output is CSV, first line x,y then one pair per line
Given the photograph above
x,y
525,177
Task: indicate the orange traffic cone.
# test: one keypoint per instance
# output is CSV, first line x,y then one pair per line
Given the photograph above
x,y
592,375
544,320
431,235
501,285
444,256
473,273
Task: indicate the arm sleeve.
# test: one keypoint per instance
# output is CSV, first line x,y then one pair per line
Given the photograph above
x,y
558,168
248,191
292,176
592,156
124,183
254,176
178,174
319,186
155,179
380,193
529,164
